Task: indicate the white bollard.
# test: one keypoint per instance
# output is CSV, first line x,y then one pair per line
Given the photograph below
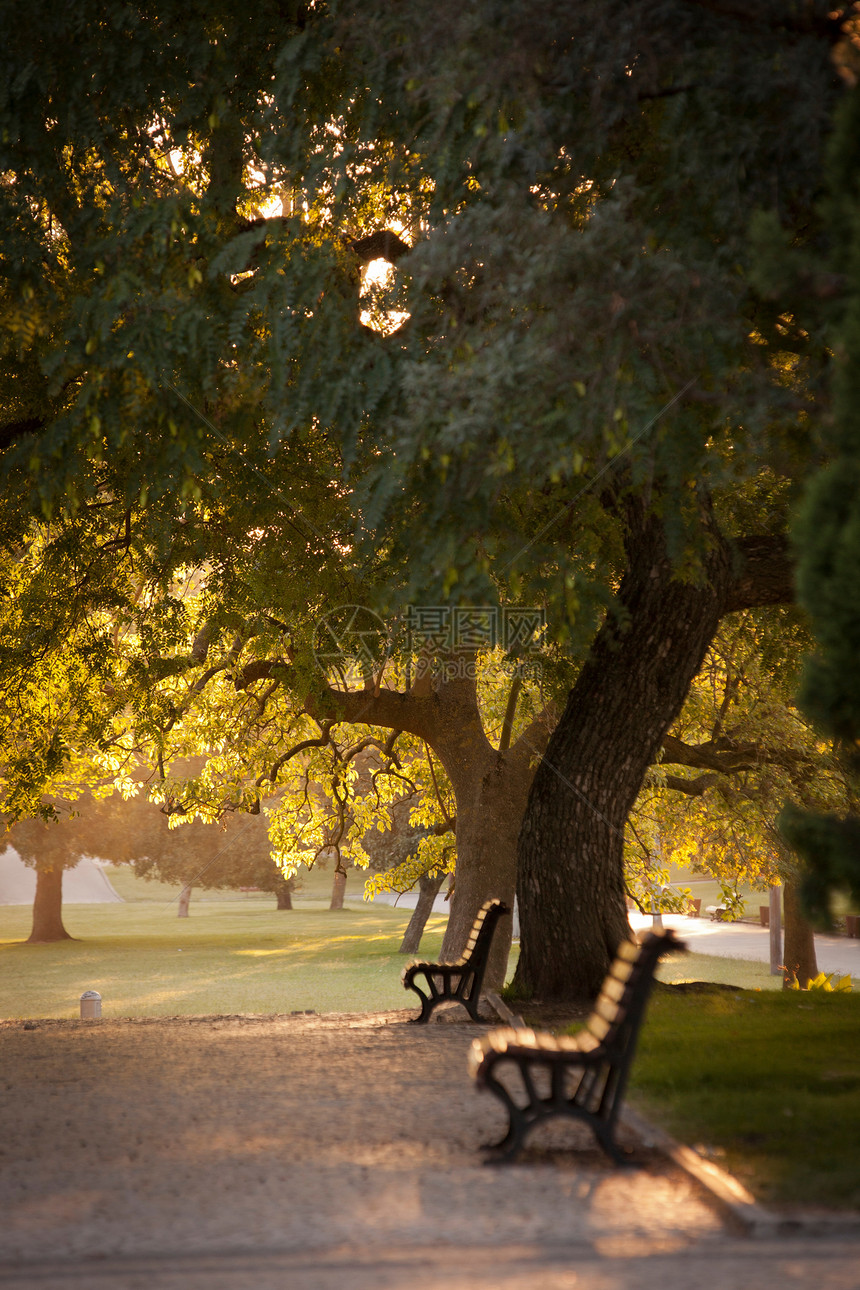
x,y
91,1005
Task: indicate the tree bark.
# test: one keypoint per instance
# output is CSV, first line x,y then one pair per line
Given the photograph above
x,y
283,892
491,788
428,890
184,901
799,946
48,908
632,686
338,889
490,785
487,827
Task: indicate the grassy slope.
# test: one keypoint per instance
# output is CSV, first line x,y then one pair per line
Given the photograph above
x,y
768,1083
239,956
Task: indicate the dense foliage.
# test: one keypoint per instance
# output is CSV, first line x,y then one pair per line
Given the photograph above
x,y
577,389
827,538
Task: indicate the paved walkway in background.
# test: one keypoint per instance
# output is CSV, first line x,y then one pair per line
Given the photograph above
x,y
746,941
726,940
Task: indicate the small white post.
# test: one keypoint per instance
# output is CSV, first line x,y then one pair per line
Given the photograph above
x,y
91,1005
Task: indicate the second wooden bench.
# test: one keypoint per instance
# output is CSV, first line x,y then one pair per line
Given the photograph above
x,y
459,982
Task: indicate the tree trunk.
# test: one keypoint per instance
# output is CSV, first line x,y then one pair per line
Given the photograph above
x,y
490,787
799,949
428,890
338,889
184,901
571,872
488,821
284,892
48,908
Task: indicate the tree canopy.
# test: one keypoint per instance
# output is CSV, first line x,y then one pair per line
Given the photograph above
x,y
576,391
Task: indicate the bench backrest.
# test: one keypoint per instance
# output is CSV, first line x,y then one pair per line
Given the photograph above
x,y
481,935
618,1009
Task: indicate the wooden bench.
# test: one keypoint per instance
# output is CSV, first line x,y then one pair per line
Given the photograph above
x,y
583,1076
460,981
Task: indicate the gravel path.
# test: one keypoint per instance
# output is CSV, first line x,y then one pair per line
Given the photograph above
x,y
226,1152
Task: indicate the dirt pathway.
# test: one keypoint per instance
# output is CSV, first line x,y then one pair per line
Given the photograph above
x,y
227,1152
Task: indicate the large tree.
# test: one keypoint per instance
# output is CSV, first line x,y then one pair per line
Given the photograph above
x,y
192,396
601,335
586,381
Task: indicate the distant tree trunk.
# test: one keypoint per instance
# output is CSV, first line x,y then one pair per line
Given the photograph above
x,y
48,908
799,951
338,889
283,891
633,684
428,889
184,901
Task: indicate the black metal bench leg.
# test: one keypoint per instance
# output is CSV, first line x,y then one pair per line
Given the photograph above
x,y
424,1015
427,1002
605,1135
518,1126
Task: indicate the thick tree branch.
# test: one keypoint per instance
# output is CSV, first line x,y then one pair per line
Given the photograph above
x,y
764,573
510,711
439,798
409,712
383,245
692,787
533,740
725,757
718,754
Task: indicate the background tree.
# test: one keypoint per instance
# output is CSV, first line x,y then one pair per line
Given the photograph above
x,y
50,846
739,747
827,533
232,853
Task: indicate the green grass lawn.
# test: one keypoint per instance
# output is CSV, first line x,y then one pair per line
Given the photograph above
x,y
746,973
767,1084
227,957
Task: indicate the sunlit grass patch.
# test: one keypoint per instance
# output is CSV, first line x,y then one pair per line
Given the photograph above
x,y
748,974
769,1083
225,958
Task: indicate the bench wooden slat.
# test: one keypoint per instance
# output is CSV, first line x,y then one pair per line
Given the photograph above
x,y
612,989
598,1026
608,1009
621,971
